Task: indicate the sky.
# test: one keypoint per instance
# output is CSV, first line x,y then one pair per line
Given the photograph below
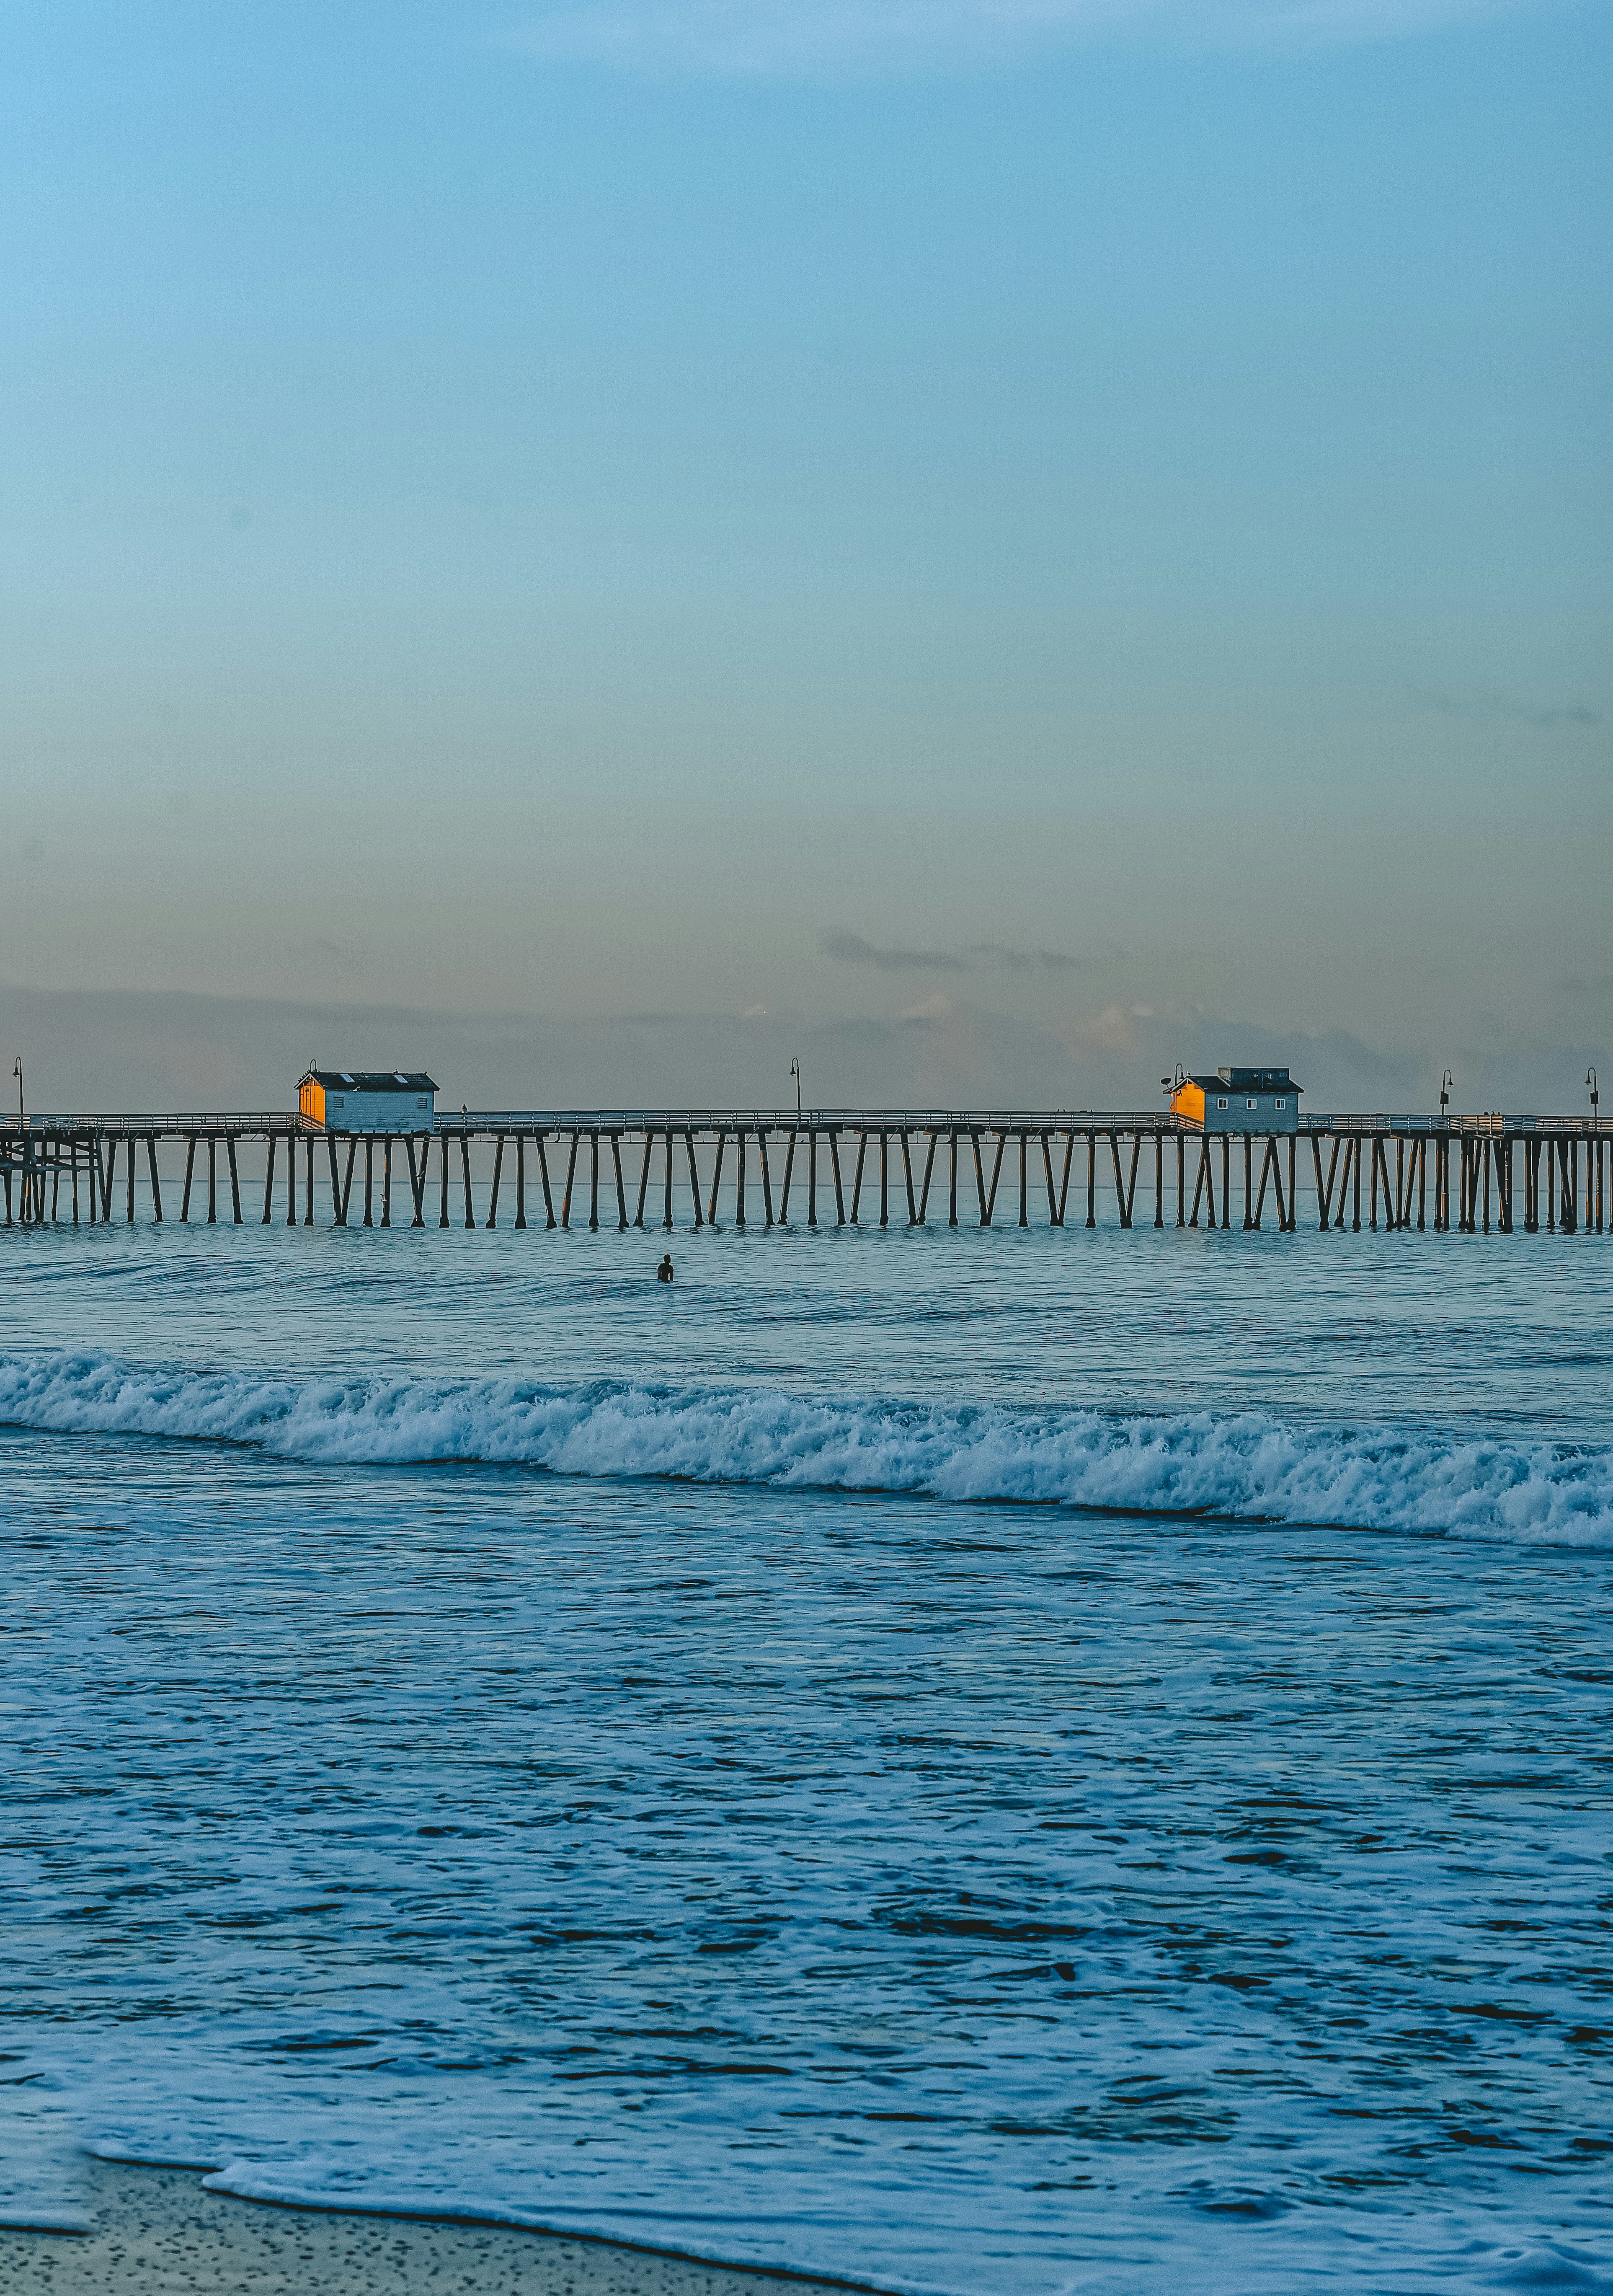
x,y
993,544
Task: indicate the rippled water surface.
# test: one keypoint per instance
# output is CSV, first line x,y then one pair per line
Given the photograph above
x,y
970,1762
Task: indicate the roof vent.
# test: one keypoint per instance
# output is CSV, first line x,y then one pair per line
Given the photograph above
x,y
346,1077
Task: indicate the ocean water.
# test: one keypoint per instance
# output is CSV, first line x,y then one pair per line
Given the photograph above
x,y
964,1761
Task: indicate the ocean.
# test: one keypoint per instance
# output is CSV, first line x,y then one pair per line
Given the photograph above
x,y
968,1762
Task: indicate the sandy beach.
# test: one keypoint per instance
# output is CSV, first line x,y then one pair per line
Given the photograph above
x,y
159,2231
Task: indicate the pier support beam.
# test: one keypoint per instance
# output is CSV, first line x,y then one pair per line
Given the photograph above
x,y
789,1171
417,1178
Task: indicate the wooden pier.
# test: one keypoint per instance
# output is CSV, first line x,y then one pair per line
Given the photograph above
x,y
770,1167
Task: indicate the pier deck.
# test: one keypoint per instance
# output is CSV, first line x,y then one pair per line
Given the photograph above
x,y
843,1167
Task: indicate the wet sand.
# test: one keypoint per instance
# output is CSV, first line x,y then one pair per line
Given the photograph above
x,y
159,2232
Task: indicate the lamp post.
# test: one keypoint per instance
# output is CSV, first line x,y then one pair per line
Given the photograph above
x,y
17,1073
1595,1099
795,1071
1444,1093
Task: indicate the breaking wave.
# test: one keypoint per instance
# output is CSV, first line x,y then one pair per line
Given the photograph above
x,y
1245,1466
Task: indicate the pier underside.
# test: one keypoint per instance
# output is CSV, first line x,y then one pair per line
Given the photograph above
x,y
764,1169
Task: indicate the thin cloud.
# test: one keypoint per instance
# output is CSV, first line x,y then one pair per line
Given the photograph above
x,y
1482,707
1021,960
851,949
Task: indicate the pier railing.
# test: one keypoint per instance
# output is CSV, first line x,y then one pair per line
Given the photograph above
x,y
489,1122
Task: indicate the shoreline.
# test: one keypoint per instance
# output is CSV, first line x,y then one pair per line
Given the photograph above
x,y
163,2230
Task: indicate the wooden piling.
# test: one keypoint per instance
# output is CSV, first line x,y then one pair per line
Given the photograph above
x,y
621,1201
789,1170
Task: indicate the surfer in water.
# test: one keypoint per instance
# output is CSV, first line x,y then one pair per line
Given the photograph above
x,y
663,1274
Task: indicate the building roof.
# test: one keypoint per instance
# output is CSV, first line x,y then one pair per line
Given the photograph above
x,y
1248,1080
371,1079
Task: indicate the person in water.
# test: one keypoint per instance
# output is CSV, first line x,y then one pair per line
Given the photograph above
x,y
663,1274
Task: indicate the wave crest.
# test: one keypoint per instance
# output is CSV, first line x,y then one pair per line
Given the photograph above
x,y
1245,1466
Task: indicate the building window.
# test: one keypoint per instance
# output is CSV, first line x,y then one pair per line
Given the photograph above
x,y
1221,1104
421,1101
1251,1104
1280,1103
338,1099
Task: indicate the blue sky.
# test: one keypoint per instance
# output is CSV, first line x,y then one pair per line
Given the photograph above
x,y
739,511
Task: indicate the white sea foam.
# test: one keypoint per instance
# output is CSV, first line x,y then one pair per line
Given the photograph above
x,y
1246,1466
